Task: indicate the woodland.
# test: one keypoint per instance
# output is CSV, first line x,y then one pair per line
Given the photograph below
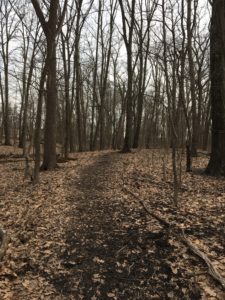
x,y
112,149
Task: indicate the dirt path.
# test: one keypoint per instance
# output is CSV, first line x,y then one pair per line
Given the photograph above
x,y
105,244
111,253
79,235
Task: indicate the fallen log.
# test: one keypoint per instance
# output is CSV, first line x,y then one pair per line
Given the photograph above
x,y
204,153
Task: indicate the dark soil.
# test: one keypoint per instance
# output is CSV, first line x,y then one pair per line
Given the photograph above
x,y
111,252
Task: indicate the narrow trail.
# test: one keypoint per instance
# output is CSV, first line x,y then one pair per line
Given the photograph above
x,y
80,234
102,232
111,254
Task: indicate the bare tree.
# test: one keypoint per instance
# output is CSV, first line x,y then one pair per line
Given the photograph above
x,y
68,48
8,27
191,24
28,69
142,29
93,134
216,164
51,29
80,20
128,21
37,134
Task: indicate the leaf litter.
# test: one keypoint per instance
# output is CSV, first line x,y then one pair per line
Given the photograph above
x,y
78,235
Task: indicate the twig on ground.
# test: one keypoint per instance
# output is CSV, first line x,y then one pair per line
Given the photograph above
x,y
3,243
121,249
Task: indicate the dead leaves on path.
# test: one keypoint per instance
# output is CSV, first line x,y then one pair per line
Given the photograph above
x,y
201,209
37,219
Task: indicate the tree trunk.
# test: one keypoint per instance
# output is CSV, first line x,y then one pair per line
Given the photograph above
x,y
37,134
51,28
95,73
216,164
49,159
78,94
129,100
128,30
190,27
6,119
26,101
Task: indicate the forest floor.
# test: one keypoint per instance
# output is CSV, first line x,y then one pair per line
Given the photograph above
x,y
80,234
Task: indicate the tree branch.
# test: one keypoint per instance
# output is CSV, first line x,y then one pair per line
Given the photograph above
x,y
40,15
60,24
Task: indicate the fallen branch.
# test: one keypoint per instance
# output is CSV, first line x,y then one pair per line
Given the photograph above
x,y
13,161
10,155
204,153
61,160
3,243
181,236
152,182
211,269
158,218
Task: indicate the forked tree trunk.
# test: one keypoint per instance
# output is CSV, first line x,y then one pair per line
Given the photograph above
x,y
51,28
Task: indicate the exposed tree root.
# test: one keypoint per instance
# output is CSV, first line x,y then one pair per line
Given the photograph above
x,y
211,269
181,236
3,243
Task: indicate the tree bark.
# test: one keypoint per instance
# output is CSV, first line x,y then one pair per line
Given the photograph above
x,y
49,159
51,28
37,134
190,27
216,164
128,29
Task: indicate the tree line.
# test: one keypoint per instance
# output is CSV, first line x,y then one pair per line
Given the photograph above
x,y
94,75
